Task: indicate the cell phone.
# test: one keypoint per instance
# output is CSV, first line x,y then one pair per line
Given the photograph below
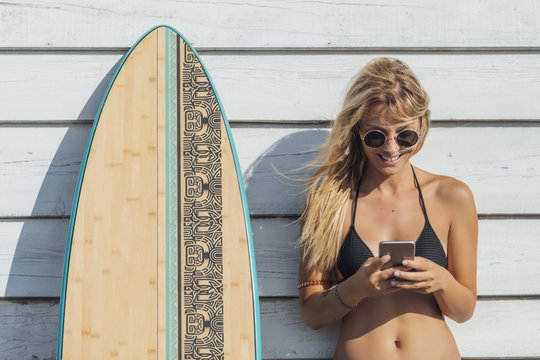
x,y
398,251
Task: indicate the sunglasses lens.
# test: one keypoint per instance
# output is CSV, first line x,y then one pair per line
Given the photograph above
x,y
407,138
374,139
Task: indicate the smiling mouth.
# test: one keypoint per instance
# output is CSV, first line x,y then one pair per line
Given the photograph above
x,y
395,158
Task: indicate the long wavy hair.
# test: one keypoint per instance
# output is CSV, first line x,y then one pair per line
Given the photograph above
x,y
340,162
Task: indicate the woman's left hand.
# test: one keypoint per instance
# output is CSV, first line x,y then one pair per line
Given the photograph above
x,y
428,277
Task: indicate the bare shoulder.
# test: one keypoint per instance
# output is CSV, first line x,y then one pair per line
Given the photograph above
x,y
447,189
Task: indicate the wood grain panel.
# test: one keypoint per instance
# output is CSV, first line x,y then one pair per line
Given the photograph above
x,y
238,316
38,177
500,329
307,85
31,258
111,297
293,24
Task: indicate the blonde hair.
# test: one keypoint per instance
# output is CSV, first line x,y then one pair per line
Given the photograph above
x,y
340,162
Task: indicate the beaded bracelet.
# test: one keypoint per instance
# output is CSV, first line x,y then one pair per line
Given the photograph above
x,y
340,301
313,283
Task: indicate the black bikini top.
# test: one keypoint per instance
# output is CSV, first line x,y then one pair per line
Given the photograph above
x,y
354,251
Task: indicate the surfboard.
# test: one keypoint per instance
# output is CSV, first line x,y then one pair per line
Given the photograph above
x,y
160,262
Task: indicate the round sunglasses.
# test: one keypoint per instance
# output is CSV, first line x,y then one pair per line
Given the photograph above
x,y
376,138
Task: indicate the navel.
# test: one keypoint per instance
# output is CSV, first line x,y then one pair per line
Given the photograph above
x,y
397,343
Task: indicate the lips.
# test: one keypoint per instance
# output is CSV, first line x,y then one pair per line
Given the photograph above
x,y
390,159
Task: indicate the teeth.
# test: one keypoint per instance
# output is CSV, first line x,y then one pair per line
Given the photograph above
x,y
390,159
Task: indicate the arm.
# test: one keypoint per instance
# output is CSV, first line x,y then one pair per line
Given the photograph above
x,y
318,308
455,288
457,297
319,304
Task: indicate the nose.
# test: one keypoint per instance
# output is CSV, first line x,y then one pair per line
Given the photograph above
x,y
391,145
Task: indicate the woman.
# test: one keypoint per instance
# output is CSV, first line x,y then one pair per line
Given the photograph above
x,y
365,191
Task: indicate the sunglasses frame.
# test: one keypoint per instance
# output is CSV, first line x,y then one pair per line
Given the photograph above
x,y
386,137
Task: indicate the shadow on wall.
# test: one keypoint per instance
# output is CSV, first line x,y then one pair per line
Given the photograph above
x,y
38,259
270,193
275,202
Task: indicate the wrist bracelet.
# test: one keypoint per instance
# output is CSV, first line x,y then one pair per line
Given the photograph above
x,y
313,283
340,301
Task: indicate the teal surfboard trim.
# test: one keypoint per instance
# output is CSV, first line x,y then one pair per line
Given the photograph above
x,y
77,195
253,267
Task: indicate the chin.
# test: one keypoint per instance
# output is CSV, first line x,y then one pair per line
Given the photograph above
x,y
389,168
389,171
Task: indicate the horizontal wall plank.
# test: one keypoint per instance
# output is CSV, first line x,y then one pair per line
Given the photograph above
x,y
506,247
28,329
499,329
32,256
502,178
39,168
60,87
278,86
501,164
296,24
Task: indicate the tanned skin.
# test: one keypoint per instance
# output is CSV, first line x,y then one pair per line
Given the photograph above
x,y
400,313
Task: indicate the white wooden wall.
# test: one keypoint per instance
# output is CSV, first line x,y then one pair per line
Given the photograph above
x,y
281,68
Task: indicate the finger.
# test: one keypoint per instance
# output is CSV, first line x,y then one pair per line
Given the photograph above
x,y
401,268
385,284
409,285
377,263
387,273
419,263
370,260
411,276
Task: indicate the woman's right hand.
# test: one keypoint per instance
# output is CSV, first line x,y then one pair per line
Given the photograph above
x,y
370,280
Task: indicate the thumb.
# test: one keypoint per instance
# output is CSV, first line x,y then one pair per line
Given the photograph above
x,y
377,263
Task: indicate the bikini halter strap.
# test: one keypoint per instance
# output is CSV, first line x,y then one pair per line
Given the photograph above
x,y
420,192
355,202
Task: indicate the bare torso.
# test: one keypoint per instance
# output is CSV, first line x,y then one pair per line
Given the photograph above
x,y
404,324
401,326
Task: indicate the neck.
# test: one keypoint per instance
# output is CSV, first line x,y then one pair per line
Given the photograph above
x,y
372,180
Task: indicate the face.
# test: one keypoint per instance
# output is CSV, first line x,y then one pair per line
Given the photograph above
x,y
389,158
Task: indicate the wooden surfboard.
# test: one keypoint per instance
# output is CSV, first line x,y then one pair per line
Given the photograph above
x,y
160,261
